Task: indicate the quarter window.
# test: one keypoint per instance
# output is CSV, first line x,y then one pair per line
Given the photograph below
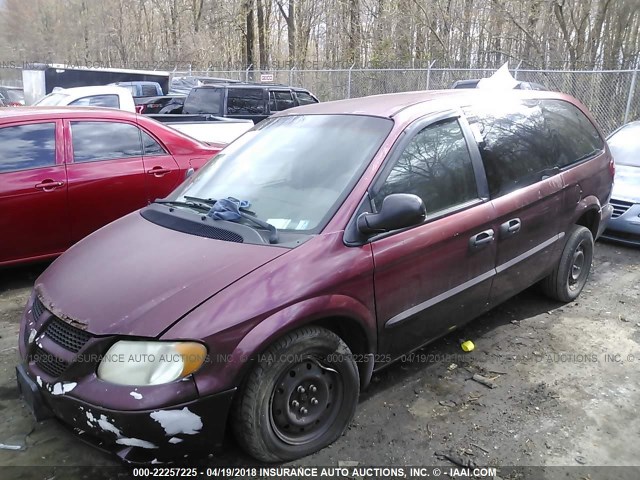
x,y
245,101
24,147
150,146
436,166
94,141
575,137
516,150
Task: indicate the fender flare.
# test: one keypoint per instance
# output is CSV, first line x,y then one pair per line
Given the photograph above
x,y
296,316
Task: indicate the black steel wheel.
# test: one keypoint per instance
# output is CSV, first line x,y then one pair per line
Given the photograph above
x,y
570,274
299,398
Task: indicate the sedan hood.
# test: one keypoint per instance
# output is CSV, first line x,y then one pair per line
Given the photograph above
x,y
627,184
133,277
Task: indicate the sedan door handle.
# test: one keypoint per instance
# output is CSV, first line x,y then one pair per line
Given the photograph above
x,y
158,171
511,227
481,239
48,185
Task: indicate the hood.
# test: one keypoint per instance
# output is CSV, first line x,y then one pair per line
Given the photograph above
x,y
627,184
133,277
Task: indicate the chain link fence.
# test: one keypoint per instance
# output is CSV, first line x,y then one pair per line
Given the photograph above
x,y
613,96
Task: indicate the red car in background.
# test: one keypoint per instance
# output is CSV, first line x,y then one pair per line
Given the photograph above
x,y
66,172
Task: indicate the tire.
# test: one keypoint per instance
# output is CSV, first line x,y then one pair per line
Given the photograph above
x,y
310,369
570,274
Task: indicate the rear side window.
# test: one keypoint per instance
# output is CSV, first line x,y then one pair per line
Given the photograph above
x,y
305,99
516,150
149,90
279,101
150,146
436,166
575,137
245,101
204,100
108,101
24,147
94,141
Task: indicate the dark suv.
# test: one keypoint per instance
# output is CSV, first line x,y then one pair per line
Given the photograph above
x,y
319,247
246,101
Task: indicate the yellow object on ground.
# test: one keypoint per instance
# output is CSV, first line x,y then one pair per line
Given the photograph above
x,y
467,346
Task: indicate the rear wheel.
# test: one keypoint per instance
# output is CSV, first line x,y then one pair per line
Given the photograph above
x,y
299,398
570,274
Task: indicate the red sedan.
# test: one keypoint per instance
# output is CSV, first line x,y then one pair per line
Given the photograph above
x,y
66,172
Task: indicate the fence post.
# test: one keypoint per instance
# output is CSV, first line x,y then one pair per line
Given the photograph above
x,y
349,81
515,72
632,90
429,73
291,75
247,72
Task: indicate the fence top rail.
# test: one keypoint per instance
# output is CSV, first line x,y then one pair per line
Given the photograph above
x,y
332,70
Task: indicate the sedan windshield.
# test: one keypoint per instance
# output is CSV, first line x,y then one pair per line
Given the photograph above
x,y
51,100
625,146
293,171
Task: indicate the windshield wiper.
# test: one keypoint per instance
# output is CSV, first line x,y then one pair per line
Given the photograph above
x,y
196,205
206,201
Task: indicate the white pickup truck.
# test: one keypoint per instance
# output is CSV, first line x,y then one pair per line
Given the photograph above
x,y
206,128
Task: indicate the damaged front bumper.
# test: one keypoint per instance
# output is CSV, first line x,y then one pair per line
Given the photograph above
x,y
169,434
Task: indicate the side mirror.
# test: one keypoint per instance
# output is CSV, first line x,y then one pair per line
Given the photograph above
x,y
398,210
189,172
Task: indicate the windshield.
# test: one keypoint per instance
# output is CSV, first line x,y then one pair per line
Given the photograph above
x,y
294,171
14,95
624,145
51,99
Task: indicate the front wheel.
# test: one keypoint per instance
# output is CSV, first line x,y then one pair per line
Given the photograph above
x,y
570,274
299,398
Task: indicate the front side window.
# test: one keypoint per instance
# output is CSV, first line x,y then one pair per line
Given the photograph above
x,y
279,101
516,150
245,101
23,147
436,166
575,137
95,141
305,99
294,171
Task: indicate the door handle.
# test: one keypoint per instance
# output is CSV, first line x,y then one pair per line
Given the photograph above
x,y
49,185
158,171
481,239
511,227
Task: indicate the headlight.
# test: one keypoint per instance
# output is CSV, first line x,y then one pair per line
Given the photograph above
x,y
150,363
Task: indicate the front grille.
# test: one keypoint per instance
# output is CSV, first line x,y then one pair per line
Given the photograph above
x,y
619,207
71,338
37,309
48,363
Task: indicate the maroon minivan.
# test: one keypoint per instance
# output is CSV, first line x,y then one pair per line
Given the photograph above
x,y
316,249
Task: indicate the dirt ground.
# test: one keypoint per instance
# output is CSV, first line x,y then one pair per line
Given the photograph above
x,y
567,392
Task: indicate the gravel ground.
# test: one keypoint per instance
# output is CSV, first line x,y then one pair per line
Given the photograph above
x,y
566,392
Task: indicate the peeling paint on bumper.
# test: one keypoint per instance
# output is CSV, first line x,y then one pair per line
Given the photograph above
x,y
135,436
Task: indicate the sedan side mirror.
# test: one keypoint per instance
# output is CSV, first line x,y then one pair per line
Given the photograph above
x,y
189,172
398,210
